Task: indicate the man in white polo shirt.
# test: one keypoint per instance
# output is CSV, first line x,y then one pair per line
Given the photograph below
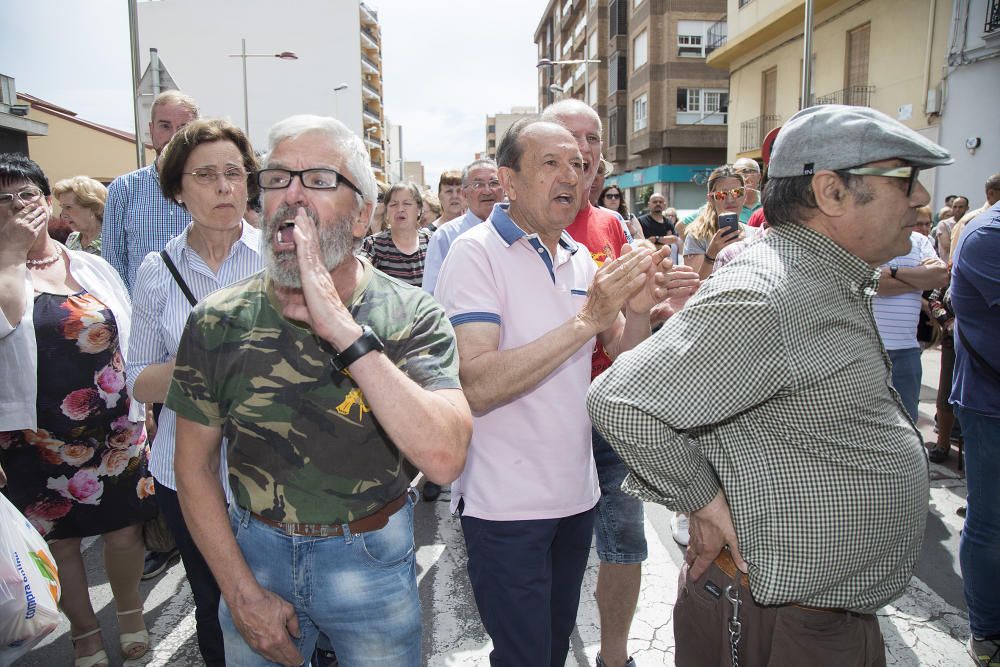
x,y
527,303
897,311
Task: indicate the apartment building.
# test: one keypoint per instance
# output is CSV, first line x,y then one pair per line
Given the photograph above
x,y
280,64
664,110
884,54
497,126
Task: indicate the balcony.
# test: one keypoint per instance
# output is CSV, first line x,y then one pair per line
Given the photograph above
x,y
717,33
369,90
371,113
992,17
367,15
369,38
858,96
372,65
753,131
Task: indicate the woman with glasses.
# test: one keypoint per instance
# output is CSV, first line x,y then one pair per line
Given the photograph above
x,y
208,168
703,239
400,250
73,447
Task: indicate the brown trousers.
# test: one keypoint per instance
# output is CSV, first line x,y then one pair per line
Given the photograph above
x,y
781,636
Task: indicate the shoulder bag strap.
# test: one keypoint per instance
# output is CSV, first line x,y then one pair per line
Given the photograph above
x,y
985,365
177,277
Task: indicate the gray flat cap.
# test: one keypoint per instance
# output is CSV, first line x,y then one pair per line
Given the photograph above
x,y
834,136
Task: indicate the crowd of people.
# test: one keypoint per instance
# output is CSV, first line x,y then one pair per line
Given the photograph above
x,y
273,390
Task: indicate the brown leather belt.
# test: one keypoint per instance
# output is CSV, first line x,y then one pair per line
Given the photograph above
x,y
724,561
374,521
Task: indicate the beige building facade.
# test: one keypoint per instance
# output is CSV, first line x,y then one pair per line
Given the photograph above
x,y
497,126
884,54
78,147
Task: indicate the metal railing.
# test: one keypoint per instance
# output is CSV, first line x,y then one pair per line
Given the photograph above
x,y
993,16
753,131
369,61
717,33
858,96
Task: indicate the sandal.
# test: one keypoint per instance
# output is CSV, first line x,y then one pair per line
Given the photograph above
x,y
137,641
98,658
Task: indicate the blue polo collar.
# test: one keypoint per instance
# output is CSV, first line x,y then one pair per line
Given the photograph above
x,y
509,231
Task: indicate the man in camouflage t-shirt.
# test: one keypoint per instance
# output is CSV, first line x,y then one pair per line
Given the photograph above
x,y
325,375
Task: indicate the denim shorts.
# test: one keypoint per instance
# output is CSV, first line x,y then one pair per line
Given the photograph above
x,y
621,535
360,590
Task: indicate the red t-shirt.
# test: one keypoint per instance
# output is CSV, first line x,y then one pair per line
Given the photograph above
x,y
757,218
601,232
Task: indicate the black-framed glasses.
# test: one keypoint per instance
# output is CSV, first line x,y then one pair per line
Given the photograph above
x,y
314,179
612,195
26,196
735,193
210,176
908,172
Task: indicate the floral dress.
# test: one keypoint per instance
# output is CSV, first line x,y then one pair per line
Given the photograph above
x,y
84,471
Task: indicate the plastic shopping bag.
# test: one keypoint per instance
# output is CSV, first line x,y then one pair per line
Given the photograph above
x,y
29,585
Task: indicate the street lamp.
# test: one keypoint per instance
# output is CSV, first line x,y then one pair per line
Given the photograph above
x,y
336,98
547,62
284,55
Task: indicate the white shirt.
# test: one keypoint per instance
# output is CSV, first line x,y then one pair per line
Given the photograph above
x,y
19,351
160,313
897,316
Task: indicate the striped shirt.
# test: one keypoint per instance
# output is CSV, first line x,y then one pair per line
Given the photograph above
x,y
387,258
159,312
772,385
138,220
897,315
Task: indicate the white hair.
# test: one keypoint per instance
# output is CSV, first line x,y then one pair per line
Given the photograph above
x,y
747,163
570,107
357,163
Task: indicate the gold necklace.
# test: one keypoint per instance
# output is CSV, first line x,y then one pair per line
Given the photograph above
x,y
45,261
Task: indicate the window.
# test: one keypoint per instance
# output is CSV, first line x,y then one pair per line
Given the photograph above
x,y
640,113
592,45
702,106
618,15
691,38
592,92
640,50
617,71
636,3
616,126
857,57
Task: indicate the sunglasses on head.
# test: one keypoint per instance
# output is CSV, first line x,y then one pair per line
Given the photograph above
x,y
735,193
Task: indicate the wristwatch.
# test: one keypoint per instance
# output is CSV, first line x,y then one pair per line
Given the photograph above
x,y
365,343
893,268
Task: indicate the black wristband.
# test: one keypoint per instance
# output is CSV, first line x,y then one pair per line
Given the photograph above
x,y
365,343
710,260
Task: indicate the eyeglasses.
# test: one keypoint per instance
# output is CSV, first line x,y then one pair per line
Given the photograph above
x,y
908,172
210,176
483,185
27,196
735,193
314,179
612,195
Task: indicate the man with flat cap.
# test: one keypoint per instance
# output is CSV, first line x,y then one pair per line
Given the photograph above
x,y
805,480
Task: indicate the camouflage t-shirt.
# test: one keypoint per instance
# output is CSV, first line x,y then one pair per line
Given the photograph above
x,y
305,447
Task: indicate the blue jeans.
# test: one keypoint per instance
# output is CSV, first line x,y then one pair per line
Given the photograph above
x,y
906,375
526,576
360,590
979,549
621,535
